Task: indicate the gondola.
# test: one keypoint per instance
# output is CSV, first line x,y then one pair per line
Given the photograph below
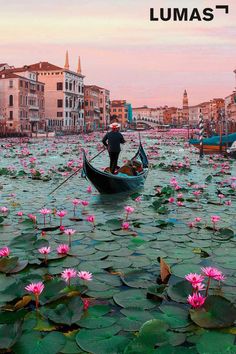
x,y
107,183
216,143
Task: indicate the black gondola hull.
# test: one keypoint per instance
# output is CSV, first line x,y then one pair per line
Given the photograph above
x,y
106,183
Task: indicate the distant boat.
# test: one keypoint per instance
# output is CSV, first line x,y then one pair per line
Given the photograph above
x,y
43,135
215,143
107,183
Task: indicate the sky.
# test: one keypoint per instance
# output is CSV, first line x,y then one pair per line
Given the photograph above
x,y
144,62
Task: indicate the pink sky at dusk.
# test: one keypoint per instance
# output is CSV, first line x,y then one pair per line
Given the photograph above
x,y
144,62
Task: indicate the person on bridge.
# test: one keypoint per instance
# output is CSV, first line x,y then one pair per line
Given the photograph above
x,y
112,141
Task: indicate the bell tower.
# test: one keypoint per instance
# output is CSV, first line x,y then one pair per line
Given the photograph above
x,y
185,109
67,65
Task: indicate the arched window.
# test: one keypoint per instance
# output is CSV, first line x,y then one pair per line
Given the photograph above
x,y
11,100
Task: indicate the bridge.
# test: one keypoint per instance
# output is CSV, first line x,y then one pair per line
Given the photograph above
x,y
148,122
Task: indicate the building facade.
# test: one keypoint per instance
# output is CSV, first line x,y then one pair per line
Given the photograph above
x,y
121,111
91,107
22,102
104,105
64,95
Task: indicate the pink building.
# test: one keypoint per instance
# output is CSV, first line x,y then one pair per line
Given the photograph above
x,y
91,107
64,95
104,105
21,100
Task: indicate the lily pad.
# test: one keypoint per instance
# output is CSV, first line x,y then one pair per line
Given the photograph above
x,y
133,299
217,312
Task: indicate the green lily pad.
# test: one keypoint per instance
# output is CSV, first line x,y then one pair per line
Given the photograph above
x,y
9,334
133,298
216,343
96,322
180,291
8,264
102,341
68,312
217,312
33,343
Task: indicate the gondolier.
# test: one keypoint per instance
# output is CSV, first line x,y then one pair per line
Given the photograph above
x,y
112,141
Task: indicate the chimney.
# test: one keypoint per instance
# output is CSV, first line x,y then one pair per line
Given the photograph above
x,y
40,65
67,66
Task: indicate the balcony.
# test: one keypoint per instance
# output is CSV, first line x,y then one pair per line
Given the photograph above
x,y
34,118
33,106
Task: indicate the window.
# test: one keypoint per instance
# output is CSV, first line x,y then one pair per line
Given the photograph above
x,y
70,86
59,86
59,114
11,100
26,85
11,115
21,83
59,103
11,83
66,85
114,110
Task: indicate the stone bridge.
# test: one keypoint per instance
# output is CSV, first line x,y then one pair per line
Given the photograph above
x,y
148,121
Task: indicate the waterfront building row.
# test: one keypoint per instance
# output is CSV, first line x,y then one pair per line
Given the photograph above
x,y
44,96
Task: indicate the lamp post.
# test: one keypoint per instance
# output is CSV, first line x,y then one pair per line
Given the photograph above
x,y
201,128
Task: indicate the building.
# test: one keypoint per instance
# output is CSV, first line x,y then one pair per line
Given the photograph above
x,y
230,112
149,115
91,107
194,113
64,95
22,103
121,111
104,105
185,112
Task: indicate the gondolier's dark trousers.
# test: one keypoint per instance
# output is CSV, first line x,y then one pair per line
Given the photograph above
x,y
113,160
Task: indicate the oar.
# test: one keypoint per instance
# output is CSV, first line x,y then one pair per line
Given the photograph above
x,y
54,190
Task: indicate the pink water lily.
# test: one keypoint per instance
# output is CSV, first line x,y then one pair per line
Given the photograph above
x,y
91,219
20,213
75,202
138,199
212,273
68,274
4,210
194,278
33,218
197,219
4,252
89,189
69,233
36,289
45,212
84,203
196,300
129,210
84,275
44,250
61,214
63,249
125,225
171,200
215,219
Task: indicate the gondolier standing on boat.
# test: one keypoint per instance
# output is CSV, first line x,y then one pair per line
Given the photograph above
x,y
112,141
